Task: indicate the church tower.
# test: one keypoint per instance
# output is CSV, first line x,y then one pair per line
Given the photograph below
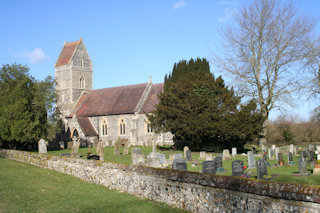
x,y
73,75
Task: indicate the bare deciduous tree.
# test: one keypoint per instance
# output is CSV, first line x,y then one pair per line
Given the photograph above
x,y
262,50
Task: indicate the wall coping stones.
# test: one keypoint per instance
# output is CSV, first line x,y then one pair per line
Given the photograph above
x,y
285,191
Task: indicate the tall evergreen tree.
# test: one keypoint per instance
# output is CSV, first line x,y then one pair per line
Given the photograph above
x,y
24,103
202,112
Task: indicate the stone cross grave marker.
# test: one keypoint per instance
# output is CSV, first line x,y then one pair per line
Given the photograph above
x,y
179,164
209,167
251,160
188,155
226,154
202,155
185,151
237,168
261,169
234,151
218,161
303,166
42,146
209,156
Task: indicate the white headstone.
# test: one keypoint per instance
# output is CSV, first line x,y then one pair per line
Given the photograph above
x,y
42,146
226,154
269,153
185,151
291,148
209,156
251,160
202,155
273,147
234,151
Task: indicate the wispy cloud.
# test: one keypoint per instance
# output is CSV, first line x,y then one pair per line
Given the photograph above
x,y
35,56
228,14
179,4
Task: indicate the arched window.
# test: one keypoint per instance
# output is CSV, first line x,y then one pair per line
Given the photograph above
x,y
104,128
149,128
82,63
82,83
122,127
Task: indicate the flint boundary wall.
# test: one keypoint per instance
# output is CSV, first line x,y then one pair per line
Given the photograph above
x,y
191,191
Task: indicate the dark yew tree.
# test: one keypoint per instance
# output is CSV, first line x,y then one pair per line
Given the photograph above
x,y
24,104
202,112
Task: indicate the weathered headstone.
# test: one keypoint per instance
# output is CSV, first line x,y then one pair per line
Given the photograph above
x,y
89,149
153,161
218,162
270,153
117,147
188,155
262,170
179,164
251,160
75,148
209,156
138,159
226,154
273,147
202,155
234,151
303,166
237,168
101,151
290,158
177,156
277,152
65,154
126,148
280,159
61,144
171,156
264,148
264,157
42,146
69,145
162,157
136,150
209,167
291,147
185,151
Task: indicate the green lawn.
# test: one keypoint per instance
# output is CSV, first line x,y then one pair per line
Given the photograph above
x,y
25,188
280,173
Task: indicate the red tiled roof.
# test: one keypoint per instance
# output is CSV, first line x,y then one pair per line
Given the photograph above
x,y
152,99
66,53
87,127
110,101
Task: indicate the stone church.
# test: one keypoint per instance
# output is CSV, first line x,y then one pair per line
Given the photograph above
x,y
104,114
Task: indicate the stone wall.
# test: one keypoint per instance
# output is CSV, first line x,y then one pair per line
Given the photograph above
x,y
195,192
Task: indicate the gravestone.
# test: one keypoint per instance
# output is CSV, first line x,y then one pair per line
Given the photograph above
x,y
251,160
264,148
89,149
61,144
209,156
264,157
209,167
254,150
261,169
218,162
237,168
304,154
273,147
290,158
270,153
177,156
226,154
310,155
188,155
69,145
75,148
185,151
277,152
42,146
280,159
202,155
171,156
138,159
126,148
65,154
295,151
179,164
153,161
234,151
310,147
303,166
136,151
291,147
101,151
162,157
117,147
95,141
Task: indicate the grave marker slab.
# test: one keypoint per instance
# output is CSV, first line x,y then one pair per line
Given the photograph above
x,y
177,156
179,164
303,166
209,156
226,154
237,168
290,158
261,169
185,151
251,160
188,155
138,159
202,155
42,146
209,167
218,161
234,151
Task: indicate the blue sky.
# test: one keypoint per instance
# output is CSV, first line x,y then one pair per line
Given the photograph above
x,y
127,40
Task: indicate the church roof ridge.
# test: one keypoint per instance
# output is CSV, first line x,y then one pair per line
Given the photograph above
x,y
67,53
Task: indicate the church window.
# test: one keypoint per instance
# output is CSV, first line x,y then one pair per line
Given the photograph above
x,y
122,127
149,128
104,128
82,62
82,83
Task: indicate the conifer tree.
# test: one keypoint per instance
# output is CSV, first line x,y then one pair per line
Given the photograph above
x,y
202,112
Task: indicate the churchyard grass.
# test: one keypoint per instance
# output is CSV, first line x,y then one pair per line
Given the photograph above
x,y
26,188
278,173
